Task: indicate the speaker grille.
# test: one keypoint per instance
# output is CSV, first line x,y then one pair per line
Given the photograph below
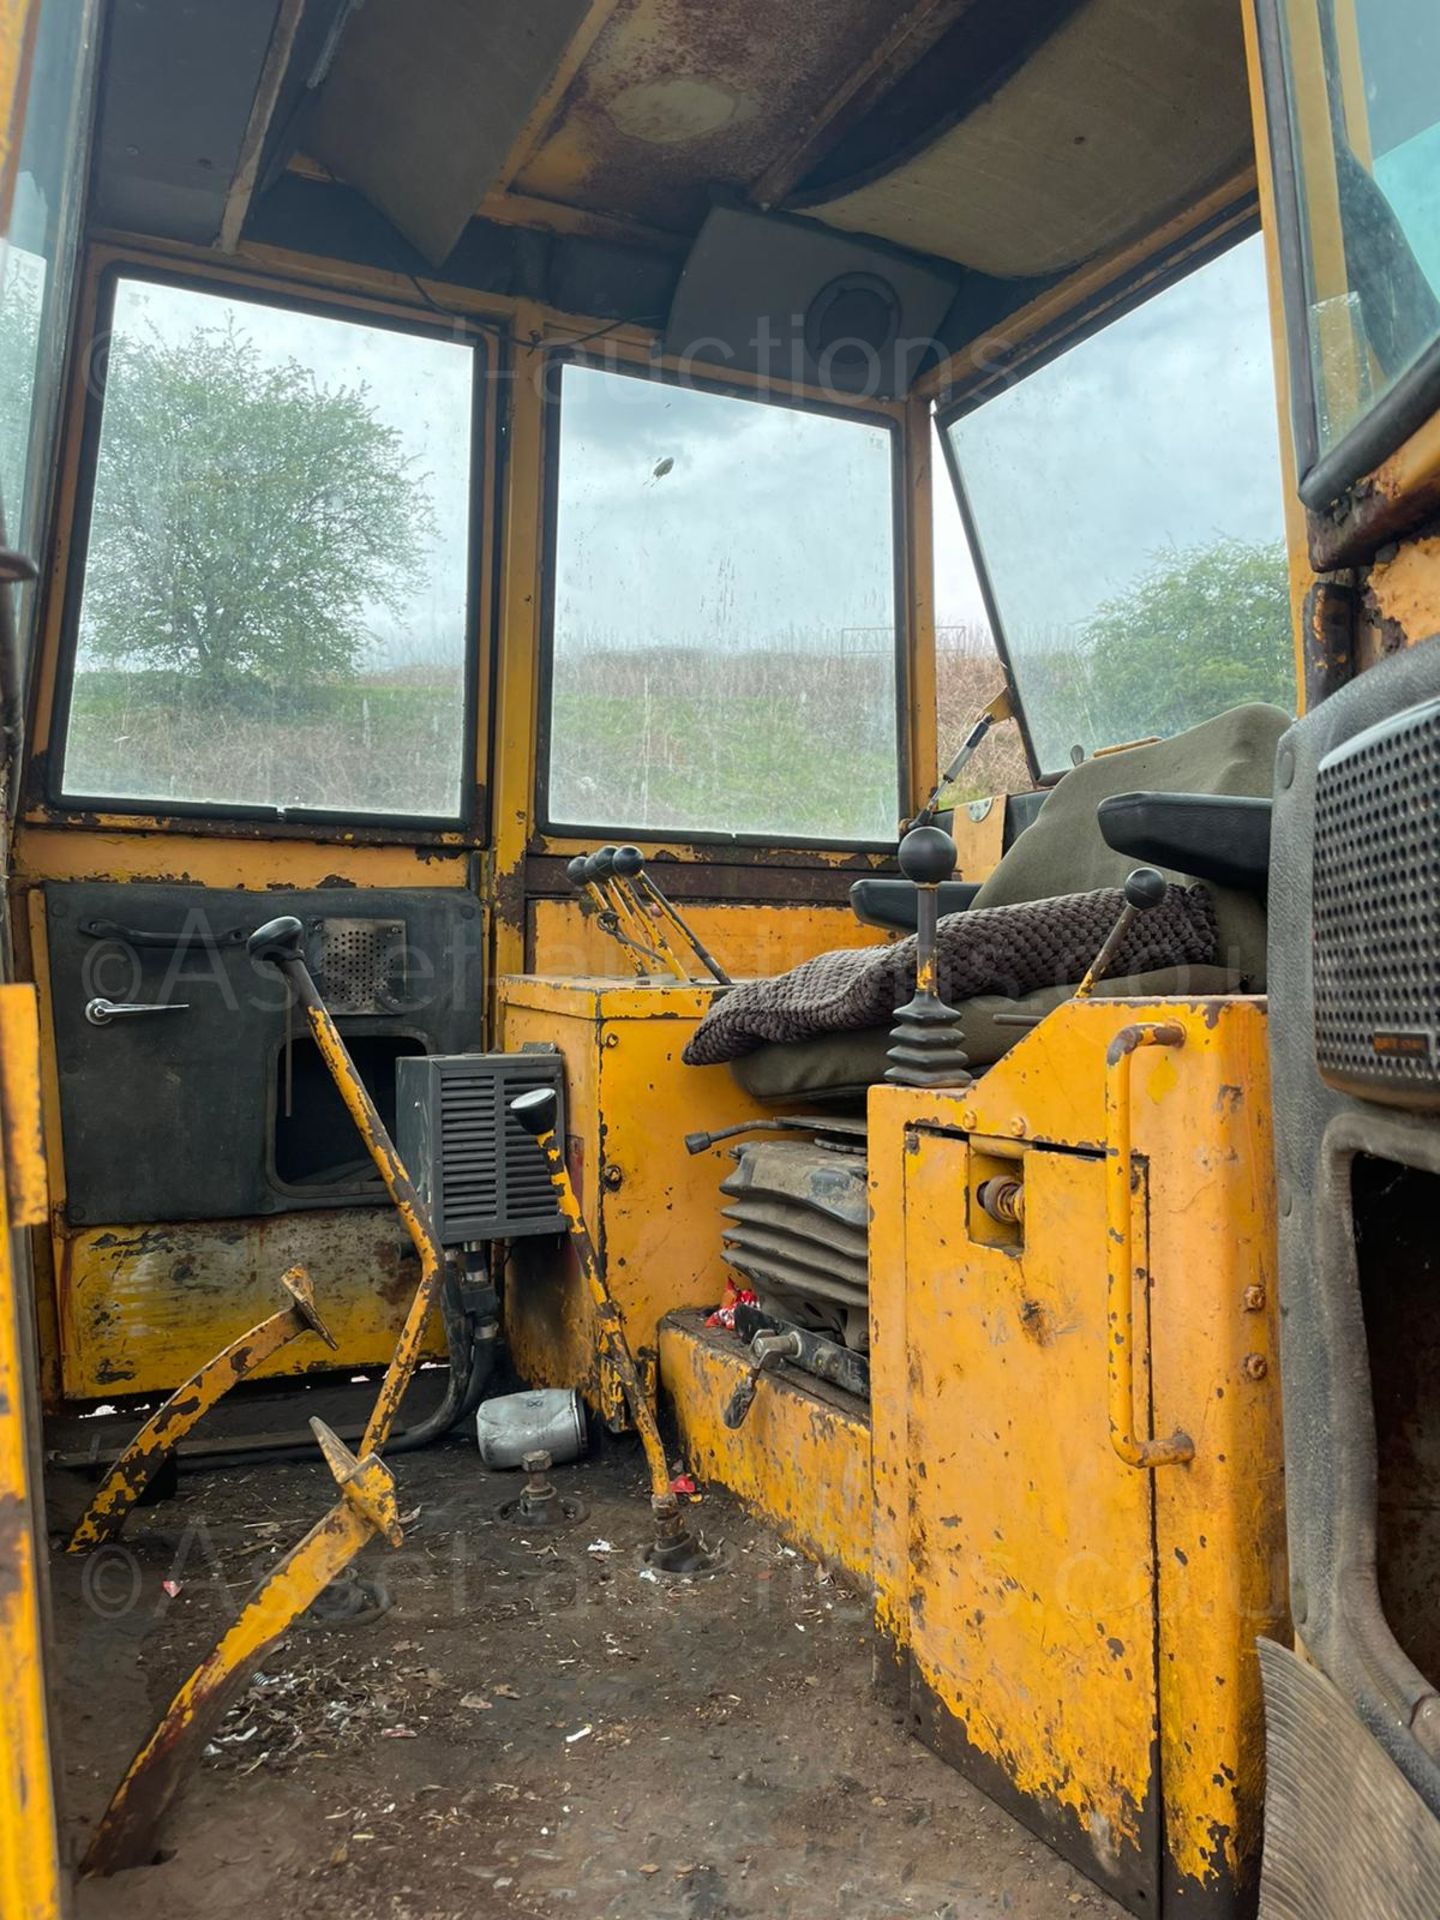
x,y
474,1165
1377,910
361,964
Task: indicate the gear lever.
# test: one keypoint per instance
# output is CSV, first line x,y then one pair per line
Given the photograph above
x,y
925,1042
676,1549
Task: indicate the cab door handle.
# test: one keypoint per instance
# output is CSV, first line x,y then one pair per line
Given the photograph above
x,y
101,1012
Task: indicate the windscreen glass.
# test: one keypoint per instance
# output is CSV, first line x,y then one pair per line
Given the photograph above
x,y
1127,510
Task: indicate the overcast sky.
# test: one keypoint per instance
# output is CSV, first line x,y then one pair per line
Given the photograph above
x,y
772,524
418,385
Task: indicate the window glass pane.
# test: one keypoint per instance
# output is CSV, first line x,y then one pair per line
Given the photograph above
x,y
724,615
968,674
1128,506
275,597
39,259
1368,71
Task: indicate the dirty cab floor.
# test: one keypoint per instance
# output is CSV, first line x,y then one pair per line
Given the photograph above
x,y
533,1727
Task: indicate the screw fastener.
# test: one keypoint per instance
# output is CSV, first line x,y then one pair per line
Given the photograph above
x,y
1256,1366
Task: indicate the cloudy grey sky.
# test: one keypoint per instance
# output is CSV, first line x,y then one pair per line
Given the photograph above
x,y
769,527
420,386
772,526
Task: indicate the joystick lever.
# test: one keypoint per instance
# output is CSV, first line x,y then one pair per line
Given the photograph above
x,y
925,1042
1145,889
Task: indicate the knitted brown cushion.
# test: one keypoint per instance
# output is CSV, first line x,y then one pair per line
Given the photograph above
x,y
1009,950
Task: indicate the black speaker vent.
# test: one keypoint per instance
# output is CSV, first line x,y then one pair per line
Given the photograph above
x,y
1377,911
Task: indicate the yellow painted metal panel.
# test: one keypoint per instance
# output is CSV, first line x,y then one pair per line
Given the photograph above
x,y
962,1336
142,1307
1220,1522
1032,1580
654,1209
30,1872
746,939
801,1461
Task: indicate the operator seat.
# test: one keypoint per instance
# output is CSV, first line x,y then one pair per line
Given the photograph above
x,y
1066,850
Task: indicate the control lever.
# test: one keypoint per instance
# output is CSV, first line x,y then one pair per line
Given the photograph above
x,y
925,1042
767,1350
641,933
282,943
629,865
675,1548
1145,889
592,900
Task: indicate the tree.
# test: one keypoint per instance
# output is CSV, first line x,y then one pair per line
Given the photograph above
x,y
247,520
1204,629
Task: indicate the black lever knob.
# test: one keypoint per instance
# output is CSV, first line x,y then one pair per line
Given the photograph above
x,y
628,861
927,856
601,863
536,1110
1145,888
575,871
277,941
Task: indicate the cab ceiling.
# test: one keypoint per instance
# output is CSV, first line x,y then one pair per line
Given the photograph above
x,y
1012,138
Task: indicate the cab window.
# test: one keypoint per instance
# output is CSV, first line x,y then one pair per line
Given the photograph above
x,y
1126,507
273,613
722,615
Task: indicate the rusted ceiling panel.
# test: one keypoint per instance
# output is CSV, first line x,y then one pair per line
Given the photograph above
x,y
1127,113
679,96
426,98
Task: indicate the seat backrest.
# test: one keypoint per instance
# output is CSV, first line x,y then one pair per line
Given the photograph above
x,y
1065,851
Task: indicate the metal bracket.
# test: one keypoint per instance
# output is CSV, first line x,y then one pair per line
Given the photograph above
x,y
188,1405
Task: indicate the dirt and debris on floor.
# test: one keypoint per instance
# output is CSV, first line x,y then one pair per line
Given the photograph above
x,y
535,1726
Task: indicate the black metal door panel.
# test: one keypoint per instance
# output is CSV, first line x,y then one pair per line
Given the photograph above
x,y
171,1115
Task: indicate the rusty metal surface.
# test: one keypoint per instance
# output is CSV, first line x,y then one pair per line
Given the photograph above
x,y
676,98
188,1405
366,1507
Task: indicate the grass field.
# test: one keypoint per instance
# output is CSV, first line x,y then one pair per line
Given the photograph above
x,y
789,743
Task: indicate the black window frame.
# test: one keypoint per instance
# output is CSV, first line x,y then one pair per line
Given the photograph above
x,y
548,828
469,819
1404,407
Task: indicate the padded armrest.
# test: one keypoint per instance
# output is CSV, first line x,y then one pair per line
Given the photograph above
x,y
1219,837
891,903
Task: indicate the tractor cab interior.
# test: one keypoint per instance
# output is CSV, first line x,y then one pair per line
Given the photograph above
x,y
643,741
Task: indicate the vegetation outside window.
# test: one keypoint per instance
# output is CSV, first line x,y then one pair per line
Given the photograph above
x,y
723,615
275,603
1127,507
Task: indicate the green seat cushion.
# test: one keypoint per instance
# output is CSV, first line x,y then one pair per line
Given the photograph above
x,y
1065,852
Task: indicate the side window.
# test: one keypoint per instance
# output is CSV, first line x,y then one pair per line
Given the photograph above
x,y
723,616
39,260
1128,508
968,672
274,610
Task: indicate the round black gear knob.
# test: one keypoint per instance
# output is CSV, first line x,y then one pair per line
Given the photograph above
x,y
575,870
602,862
536,1110
1145,888
278,940
628,862
927,856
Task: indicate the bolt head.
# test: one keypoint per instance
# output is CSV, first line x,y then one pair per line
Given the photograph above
x,y
1254,1299
1019,1127
1256,1366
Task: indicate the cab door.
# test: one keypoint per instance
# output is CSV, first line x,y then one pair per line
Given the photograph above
x,y
263,691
